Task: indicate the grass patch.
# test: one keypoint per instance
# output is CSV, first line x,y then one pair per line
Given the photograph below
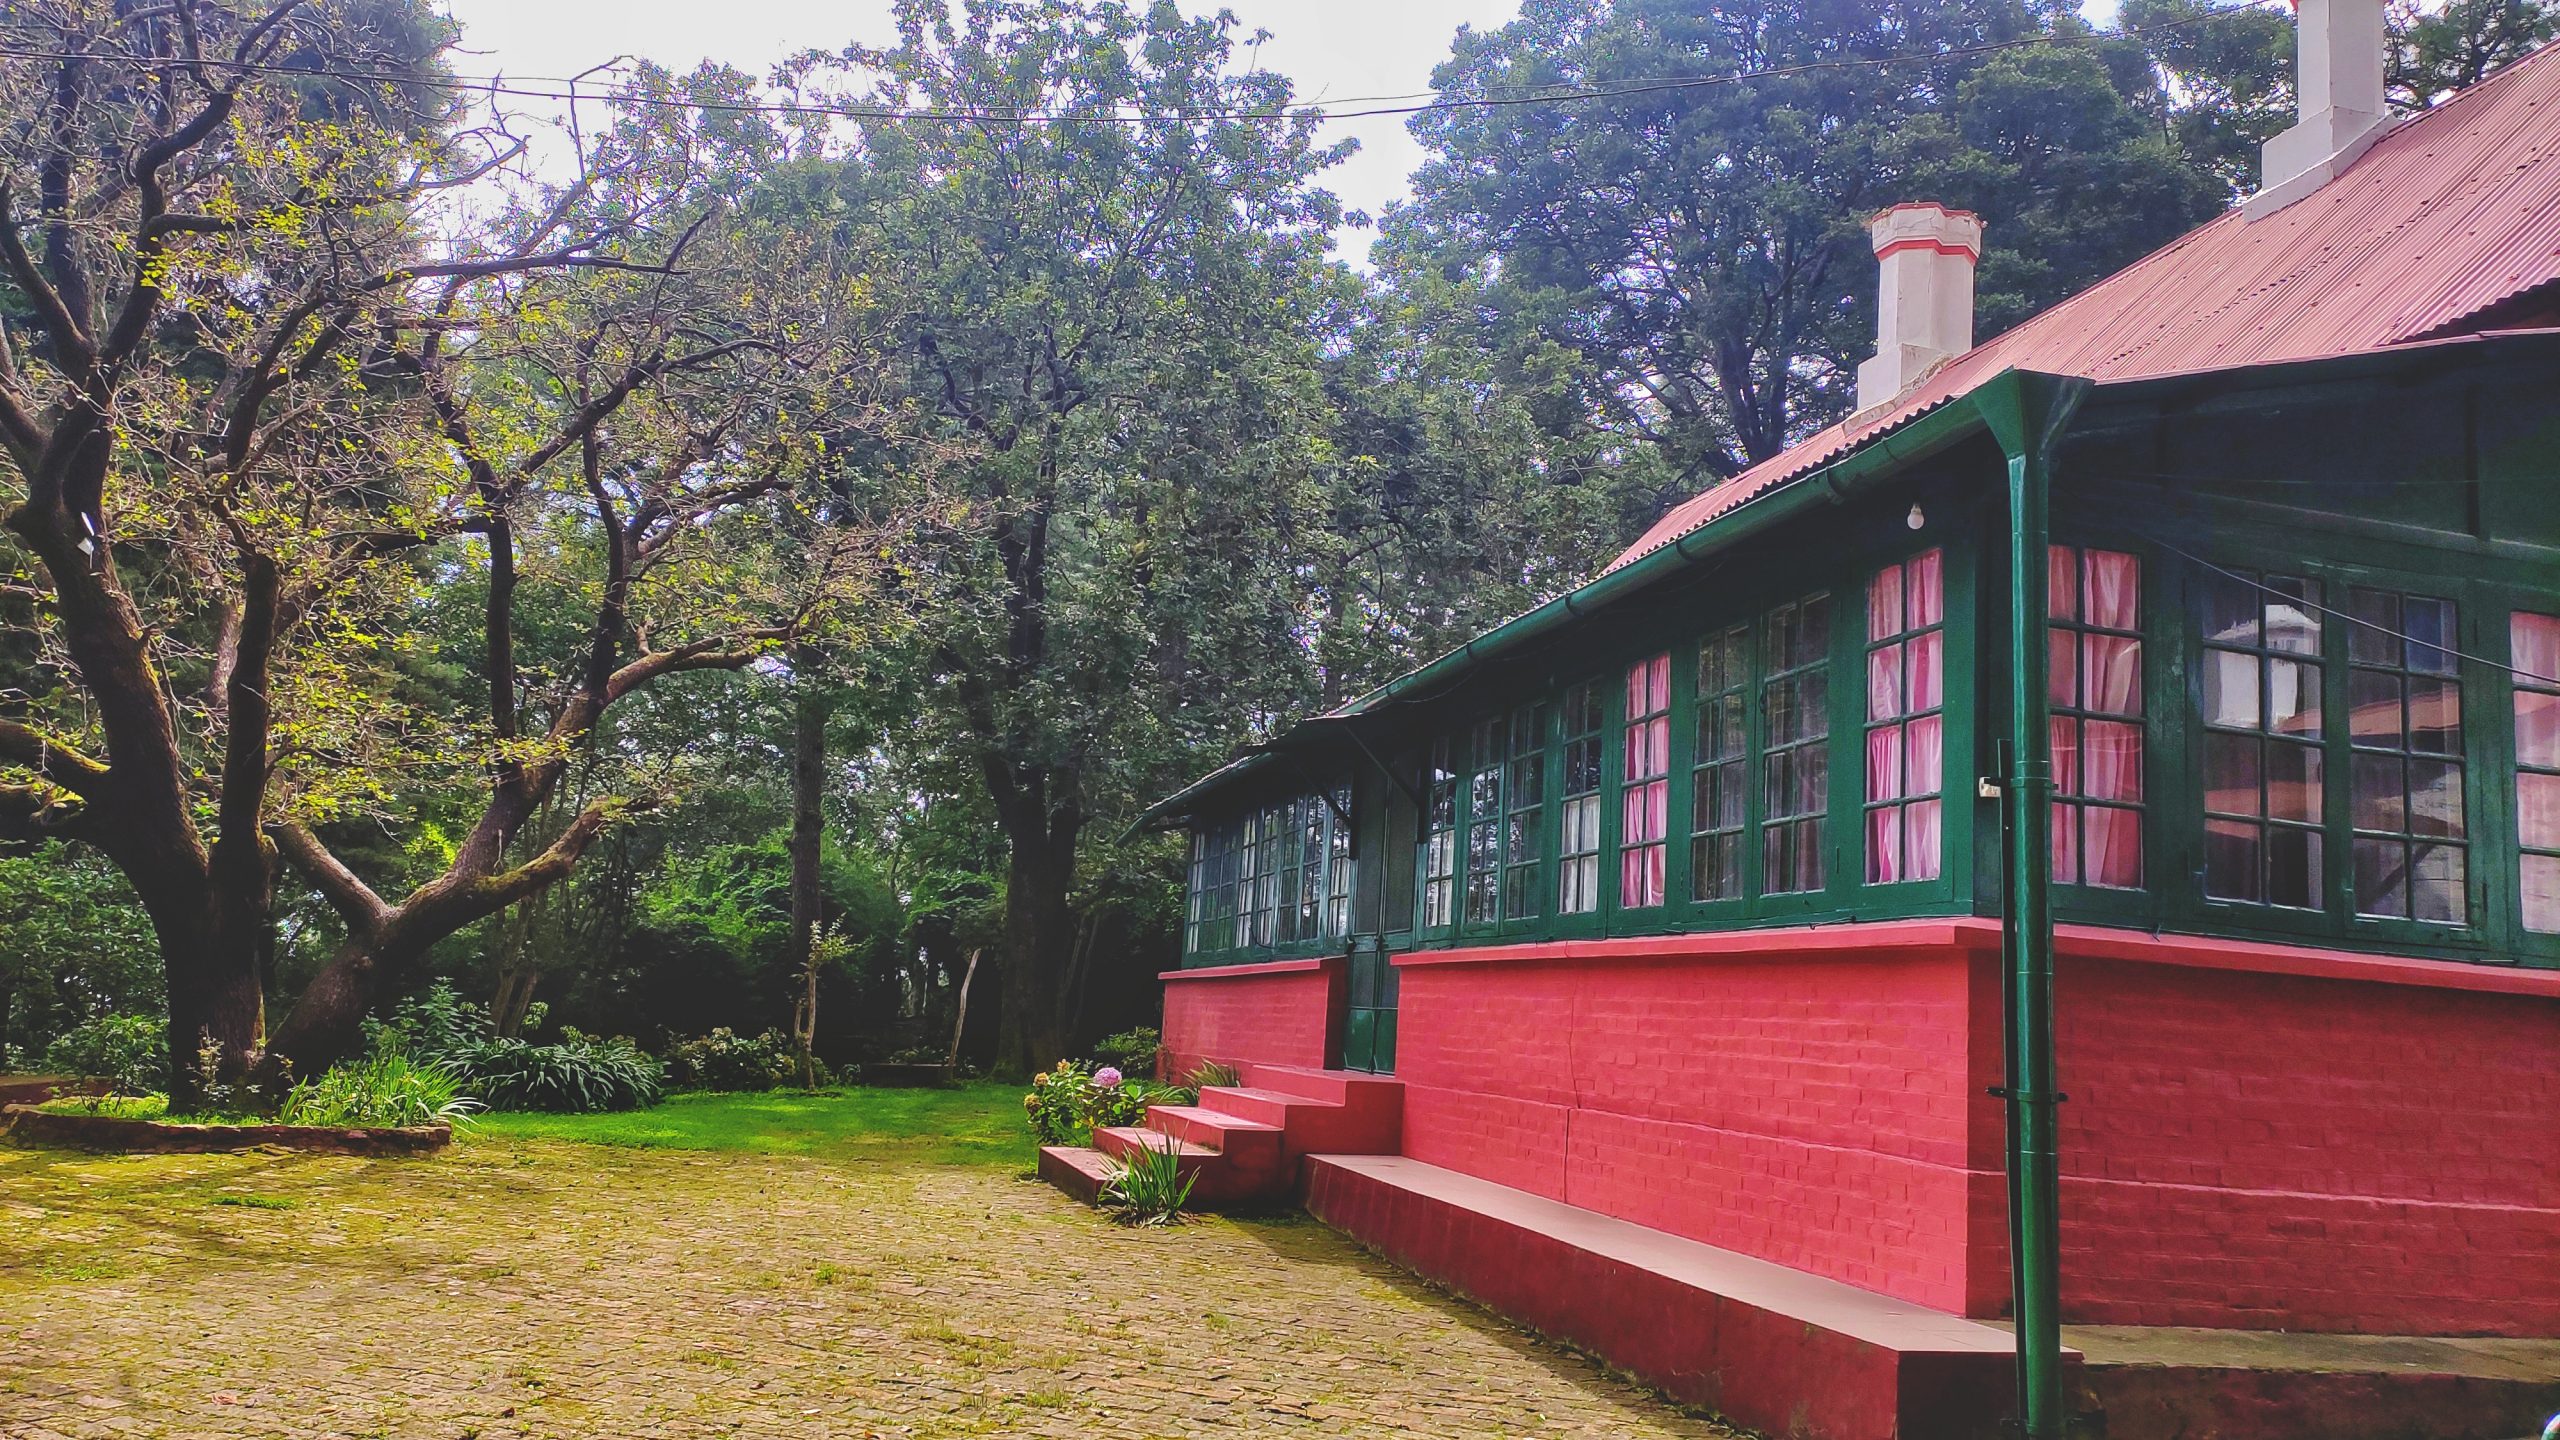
x,y
968,1125
255,1202
121,1107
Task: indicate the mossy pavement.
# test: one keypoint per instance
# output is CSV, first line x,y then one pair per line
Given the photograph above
x,y
878,1277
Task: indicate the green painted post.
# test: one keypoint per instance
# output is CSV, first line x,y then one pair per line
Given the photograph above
x,y
2027,415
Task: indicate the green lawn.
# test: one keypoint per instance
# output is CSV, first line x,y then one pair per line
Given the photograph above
x,y
977,1124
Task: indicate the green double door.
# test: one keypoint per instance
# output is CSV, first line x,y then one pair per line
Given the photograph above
x,y
1369,1026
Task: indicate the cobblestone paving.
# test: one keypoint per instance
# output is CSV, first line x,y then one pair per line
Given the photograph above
x,y
519,1288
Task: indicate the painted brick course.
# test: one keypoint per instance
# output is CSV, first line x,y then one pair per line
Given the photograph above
x,y
2254,1138
1280,1014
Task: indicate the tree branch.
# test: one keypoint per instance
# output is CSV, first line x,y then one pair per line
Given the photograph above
x,y
346,892
59,764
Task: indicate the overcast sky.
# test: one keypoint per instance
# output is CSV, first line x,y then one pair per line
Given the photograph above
x,y
1334,49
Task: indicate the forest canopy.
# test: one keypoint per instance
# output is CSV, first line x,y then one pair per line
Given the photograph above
x,y
754,572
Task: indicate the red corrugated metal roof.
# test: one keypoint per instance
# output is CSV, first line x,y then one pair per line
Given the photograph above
x,y
2454,211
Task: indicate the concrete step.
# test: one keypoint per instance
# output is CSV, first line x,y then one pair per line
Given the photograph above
x,y
1244,1140
1765,1346
1076,1169
1256,1175
1320,1112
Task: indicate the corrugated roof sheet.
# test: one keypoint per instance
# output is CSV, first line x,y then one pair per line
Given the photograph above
x,y
2452,212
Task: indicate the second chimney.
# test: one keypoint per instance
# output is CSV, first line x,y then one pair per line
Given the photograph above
x,y
2338,79
1924,296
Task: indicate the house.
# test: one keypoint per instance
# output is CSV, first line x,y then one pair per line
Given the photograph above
x,y
2105,791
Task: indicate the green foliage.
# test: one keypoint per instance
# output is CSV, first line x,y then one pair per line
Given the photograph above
x,y
1132,1052
726,1060
1067,1103
1212,1072
130,1051
1149,1188
120,1107
74,946
384,1088
578,1074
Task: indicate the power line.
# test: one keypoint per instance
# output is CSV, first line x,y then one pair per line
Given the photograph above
x,y
2291,598
498,85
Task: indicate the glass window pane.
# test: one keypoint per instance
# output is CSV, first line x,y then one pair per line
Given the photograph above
x,y
2111,764
2293,698
2231,774
2062,668
2231,689
2538,811
2436,885
2293,868
2062,589
2293,614
2375,708
2111,674
2542,894
1925,767
1884,604
2232,860
2231,610
2111,846
2435,799
2375,637
2429,624
2377,784
2382,878
2294,783
2435,717
1884,683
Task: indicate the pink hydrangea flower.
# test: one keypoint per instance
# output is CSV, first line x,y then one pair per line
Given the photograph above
x,y
1106,1078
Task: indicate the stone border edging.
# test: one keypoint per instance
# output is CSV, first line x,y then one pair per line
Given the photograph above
x,y
26,1123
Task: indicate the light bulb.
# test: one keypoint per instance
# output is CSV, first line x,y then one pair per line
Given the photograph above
x,y
1915,519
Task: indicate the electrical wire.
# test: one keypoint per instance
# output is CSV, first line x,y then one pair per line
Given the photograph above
x,y
1441,101
2401,635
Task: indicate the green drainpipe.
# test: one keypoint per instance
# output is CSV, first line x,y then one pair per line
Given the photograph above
x,y
2027,415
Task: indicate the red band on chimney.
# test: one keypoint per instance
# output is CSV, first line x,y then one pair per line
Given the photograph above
x,y
1921,243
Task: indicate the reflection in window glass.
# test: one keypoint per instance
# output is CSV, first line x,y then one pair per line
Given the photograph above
x,y
2263,740
2535,657
1795,771
1440,839
2405,770
1578,853
1716,795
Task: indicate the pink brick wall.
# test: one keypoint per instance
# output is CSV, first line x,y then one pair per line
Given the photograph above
x,y
1806,1104
2307,1153
1276,1014
2329,1149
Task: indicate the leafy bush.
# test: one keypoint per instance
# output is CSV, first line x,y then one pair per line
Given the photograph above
x,y
1148,1188
726,1060
580,1074
386,1087
1132,1051
130,1050
1211,1072
120,1107
577,1074
1067,1104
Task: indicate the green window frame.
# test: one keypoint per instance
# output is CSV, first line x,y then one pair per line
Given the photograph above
x,y
1340,864
1720,772
2265,741
1644,786
1438,897
1582,739
1795,755
2098,691
1488,755
1279,877
2533,661
1524,840
2407,770
1906,659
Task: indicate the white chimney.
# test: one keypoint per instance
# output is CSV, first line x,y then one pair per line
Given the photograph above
x,y
1924,298
2338,79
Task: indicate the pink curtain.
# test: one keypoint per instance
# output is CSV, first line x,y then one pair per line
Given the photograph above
x,y
1884,604
2113,590
2061,587
1645,802
1926,588
1920,838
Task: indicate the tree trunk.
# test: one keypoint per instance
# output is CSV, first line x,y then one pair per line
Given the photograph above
x,y
1039,931
217,998
808,837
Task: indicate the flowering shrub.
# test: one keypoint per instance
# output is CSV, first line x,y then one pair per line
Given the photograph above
x,y
1068,1103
